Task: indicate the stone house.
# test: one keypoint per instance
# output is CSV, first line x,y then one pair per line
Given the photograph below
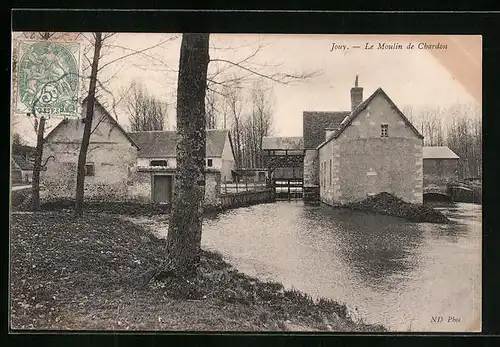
x,y
440,166
156,163
373,148
111,158
117,167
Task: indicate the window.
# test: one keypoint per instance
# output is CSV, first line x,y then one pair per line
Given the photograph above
x,y
209,162
384,128
89,169
158,163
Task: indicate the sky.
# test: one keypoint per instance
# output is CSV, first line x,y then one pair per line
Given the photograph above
x,y
411,77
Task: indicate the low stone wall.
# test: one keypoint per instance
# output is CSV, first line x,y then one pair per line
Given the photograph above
x,y
472,195
233,200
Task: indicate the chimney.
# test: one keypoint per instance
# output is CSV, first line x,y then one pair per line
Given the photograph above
x,y
356,95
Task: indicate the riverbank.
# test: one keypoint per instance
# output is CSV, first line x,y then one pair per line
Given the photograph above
x,y
95,273
388,204
21,202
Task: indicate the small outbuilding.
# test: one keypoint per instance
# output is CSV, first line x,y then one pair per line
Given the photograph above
x,y
440,165
22,169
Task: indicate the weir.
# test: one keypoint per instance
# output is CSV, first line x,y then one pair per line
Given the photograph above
x,y
246,198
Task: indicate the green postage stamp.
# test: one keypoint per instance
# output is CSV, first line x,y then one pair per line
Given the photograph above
x,y
48,78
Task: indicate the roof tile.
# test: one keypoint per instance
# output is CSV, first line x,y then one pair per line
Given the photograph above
x,y
315,124
438,152
158,144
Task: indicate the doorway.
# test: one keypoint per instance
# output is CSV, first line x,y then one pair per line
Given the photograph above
x,y
162,189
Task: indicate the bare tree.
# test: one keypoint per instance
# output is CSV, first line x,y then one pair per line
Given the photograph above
x,y
429,121
146,113
462,134
217,111
95,86
184,233
464,137
211,102
98,86
235,102
82,157
262,114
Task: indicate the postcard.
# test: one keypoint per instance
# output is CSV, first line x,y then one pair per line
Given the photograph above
x,y
246,182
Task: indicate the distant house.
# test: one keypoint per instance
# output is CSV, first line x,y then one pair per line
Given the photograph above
x,y
22,169
157,157
373,148
111,158
440,166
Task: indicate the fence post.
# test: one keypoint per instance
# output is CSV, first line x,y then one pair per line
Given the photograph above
x,y
236,186
246,186
225,186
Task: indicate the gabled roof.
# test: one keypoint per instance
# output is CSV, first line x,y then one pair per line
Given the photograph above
x,y
290,142
159,144
106,113
438,152
21,162
361,107
316,122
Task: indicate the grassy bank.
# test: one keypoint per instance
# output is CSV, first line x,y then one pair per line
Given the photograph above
x,y
96,273
388,204
21,202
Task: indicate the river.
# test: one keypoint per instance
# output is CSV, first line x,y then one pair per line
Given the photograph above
x,y
386,270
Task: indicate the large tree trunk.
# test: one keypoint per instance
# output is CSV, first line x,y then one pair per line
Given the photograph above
x,y
82,157
35,183
184,233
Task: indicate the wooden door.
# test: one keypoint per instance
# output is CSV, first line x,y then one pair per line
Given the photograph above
x,y
162,189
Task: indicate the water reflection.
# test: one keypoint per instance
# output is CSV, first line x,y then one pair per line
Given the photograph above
x,y
396,273
373,246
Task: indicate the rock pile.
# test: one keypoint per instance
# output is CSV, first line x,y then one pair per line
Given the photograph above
x,y
388,204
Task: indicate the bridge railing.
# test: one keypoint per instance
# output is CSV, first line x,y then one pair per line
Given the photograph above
x,y
237,187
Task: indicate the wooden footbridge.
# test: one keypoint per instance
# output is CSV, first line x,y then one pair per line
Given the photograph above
x,y
284,161
455,191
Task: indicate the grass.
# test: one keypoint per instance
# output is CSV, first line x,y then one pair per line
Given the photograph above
x,y
21,201
94,273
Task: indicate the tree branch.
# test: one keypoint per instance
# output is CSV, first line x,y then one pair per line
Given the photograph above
x,y
280,80
135,53
46,161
